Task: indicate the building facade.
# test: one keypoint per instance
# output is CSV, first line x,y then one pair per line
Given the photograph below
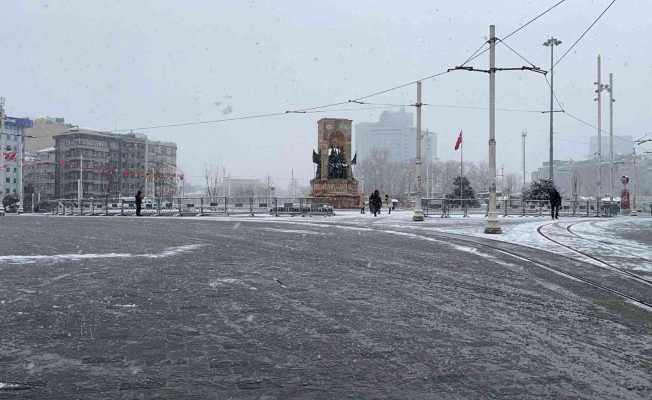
x,y
39,171
41,134
395,133
113,165
12,152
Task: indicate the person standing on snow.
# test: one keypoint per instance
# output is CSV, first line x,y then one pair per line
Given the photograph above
x,y
388,203
555,202
375,203
139,202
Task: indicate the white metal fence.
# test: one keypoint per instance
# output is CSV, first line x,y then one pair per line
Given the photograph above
x,y
581,208
197,206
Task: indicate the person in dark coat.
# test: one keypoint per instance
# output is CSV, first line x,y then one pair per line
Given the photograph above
x,y
375,203
139,202
555,202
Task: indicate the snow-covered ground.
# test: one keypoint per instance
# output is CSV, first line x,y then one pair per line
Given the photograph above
x,y
597,237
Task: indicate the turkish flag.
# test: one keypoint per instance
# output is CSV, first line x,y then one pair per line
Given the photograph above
x,y
458,143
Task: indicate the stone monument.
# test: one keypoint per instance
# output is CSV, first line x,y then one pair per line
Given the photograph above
x,y
334,177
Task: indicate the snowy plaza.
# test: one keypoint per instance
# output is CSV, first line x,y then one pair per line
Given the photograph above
x,y
347,306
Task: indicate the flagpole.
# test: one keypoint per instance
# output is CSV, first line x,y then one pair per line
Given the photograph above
x,y
461,171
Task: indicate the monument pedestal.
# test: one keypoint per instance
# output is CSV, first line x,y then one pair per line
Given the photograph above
x,y
341,193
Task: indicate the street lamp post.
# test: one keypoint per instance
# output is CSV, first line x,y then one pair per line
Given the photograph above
x,y
418,212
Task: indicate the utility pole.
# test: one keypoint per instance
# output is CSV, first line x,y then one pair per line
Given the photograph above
x,y
611,137
551,42
523,135
418,212
600,88
492,220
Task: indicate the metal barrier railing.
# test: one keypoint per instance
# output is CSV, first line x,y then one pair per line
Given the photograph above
x,y
444,207
207,206
198,206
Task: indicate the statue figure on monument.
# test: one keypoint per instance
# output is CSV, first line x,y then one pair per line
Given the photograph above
x,y
316,159
337,165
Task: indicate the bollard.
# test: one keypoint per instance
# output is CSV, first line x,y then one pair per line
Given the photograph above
x,y
276,206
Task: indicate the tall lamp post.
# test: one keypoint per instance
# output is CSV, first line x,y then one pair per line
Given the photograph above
x,y
418,211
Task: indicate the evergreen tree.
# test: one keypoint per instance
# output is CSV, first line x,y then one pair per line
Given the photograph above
x,y
468,194
539,190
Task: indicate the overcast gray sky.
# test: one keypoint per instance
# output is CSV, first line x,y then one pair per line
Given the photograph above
x,y
127,64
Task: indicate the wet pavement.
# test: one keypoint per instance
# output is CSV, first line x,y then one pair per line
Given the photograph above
x,y
95,308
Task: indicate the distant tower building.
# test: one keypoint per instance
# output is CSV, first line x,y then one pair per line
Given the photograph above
x,y
396,134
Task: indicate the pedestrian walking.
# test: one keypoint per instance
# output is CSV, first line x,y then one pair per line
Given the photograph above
x,y
139,202
375,203
555,202
388,203
361,203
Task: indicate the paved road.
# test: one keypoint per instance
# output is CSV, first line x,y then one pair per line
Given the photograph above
x,y
170,308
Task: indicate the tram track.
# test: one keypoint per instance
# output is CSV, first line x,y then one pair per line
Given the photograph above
x,y
577,235
606,264
561,272
522,256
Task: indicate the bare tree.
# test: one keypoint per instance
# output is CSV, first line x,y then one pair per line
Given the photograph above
x,y
213,180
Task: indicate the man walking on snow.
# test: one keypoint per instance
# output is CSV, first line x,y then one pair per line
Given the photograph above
x,y
555,202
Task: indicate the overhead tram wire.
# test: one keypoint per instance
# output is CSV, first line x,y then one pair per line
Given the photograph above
x,y
255,116
502,41
452,106
515,31
355,100
583,33
512,33
214,121
471,58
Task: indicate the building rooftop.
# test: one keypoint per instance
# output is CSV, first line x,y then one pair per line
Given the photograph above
x,y
132,135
